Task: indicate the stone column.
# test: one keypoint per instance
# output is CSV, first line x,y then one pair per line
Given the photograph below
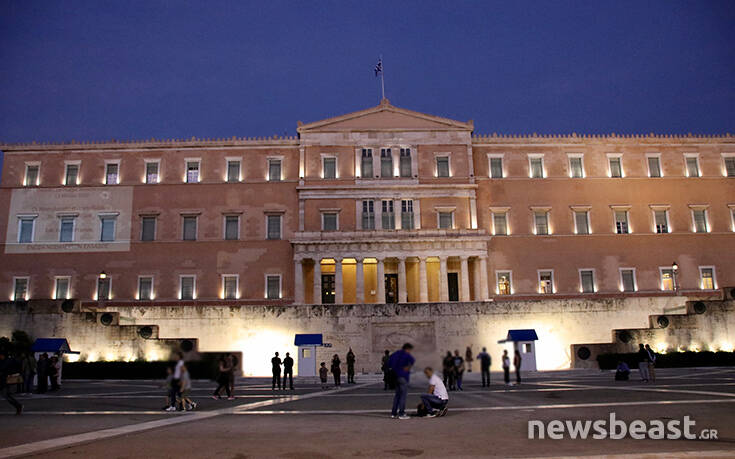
x,y
423,284
476,280
464,274
402,284
359,282
298,282
443,286
380,278
317,281
484,294
338,297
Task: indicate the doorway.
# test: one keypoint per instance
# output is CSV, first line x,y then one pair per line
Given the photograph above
x,y
453,286
327,288
391,288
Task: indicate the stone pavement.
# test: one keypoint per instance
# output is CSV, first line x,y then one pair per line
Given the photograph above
x,y
120,419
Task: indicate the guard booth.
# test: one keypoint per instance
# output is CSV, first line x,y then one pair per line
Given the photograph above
x,y
307,344
525,342
52,347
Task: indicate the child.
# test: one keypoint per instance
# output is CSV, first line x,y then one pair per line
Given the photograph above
x,y
185,403
323,373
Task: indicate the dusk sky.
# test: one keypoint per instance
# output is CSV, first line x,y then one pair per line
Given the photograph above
x,y
175,69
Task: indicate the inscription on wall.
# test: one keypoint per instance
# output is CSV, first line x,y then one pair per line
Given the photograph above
x,y
392,335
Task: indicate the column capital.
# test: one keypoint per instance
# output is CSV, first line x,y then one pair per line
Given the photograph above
x,y
464,258
337,259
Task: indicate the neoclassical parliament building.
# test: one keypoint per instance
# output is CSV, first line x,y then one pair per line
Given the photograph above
x,y
379,206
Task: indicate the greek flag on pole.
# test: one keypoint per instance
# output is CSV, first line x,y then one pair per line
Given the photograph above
x,y
379,67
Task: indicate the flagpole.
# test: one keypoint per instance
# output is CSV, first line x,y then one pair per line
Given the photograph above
x,y
382,79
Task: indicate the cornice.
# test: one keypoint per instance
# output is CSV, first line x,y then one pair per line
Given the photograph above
x,y
581,139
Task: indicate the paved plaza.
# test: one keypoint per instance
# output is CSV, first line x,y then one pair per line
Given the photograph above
x,y
123,419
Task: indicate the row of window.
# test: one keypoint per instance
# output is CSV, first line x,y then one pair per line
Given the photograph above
x,y
588,281
615,169
230,287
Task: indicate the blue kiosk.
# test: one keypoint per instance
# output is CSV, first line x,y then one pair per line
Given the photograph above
x,y
307,344
525,342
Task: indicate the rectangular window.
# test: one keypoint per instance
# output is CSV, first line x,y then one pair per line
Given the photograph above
x,y
189,232
20,289
621,221
273,223
151,172
233,170
546,282
71,175
32,175
187,287
368,215
536,165
500,224
581,222
496,167
442,166
111,173
707,277
654,166
700,220
107,228
503,279
192,172
576,169
692,166
103,288
386,163
230,287
25,229
329,168
148,228
329,221
273,287
587,280
66,229
232,227
405,165
541,220
407,214
627,280
366,163
145,288
387,216
667,278
61,288
662,221
274,170
446,220
730,166
616,166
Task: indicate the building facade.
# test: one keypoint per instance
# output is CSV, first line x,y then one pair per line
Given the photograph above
x,y
383,205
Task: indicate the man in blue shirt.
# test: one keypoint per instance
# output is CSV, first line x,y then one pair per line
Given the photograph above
x,y
401,362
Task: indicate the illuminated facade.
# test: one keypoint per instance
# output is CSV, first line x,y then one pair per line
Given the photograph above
x,y
383,205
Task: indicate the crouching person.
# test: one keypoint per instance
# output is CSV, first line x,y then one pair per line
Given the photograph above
x,y
436,396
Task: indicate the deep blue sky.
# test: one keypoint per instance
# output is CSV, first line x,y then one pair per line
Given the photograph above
x,y
142,69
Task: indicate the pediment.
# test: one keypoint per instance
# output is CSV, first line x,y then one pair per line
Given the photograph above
x,y
385,117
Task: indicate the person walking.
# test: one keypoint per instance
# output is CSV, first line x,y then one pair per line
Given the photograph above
x,y
235,362
506,368
350,367
276,368
175,388
651,363
436,395
6,369
42,373
28,367
643,361
400,363
288,371
223,379
186,403
448,371
468,358
385,368
458,369
517,365
485,362
336,370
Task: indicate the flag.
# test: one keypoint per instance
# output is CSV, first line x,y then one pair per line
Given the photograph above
x,y
379,67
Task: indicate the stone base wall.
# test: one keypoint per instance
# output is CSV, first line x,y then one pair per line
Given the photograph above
x,y
258,331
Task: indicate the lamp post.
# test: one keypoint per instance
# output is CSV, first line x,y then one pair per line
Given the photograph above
x,y
675,270
101,296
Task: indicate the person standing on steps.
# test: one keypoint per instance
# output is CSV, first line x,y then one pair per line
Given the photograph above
x,y
276,367
506,368
400,363
350,367
517,365
485,362
336,371
288,371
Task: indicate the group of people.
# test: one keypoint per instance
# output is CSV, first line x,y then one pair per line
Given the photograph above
x,y
22,371
336,370
397,367
226,367
646,359
287,363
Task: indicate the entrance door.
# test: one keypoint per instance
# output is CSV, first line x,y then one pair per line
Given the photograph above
x,y
391,288
453,286
327,288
